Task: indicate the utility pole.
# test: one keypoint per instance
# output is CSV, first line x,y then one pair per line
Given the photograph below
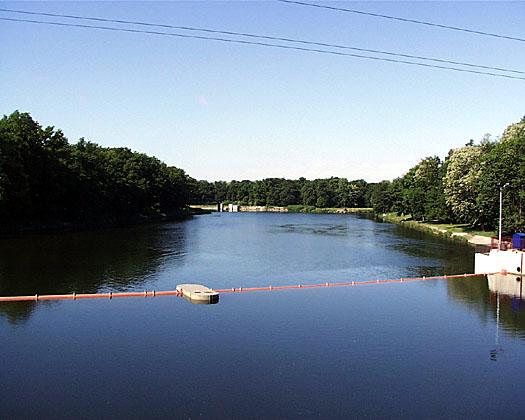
x,y
501,212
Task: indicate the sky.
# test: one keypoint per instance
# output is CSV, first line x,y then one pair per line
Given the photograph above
x,y
224,111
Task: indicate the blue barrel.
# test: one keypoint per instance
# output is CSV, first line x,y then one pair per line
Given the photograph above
x,y
518,241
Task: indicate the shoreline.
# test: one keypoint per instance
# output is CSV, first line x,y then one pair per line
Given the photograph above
x,y
287,209
472,239
34,227
454,233
21,229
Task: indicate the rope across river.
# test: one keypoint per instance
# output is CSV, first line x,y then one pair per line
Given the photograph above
x,y
180,293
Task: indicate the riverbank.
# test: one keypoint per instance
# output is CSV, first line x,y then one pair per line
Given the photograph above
x,y
328,210
287,209
17,228
239,208
457,232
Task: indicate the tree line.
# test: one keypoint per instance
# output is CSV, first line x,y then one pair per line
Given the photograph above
x,y
330,192
45,179
464,187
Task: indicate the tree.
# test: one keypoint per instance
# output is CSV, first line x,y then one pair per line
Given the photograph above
x,y
422,191
43,178
460,182
504,162
381,197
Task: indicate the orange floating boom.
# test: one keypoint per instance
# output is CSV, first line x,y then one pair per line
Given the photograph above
x,y
153,293
76,296
340,284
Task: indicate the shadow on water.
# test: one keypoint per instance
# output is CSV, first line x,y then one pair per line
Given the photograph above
x,y
446,257
497,297
421,253
17,312
479,294
85,262
328,229
128,258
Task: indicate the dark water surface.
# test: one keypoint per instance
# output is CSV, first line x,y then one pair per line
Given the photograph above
x,y
428,349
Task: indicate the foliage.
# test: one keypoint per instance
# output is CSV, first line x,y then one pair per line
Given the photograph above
x,y
418,193
423,191
504,163
381,197
320,193
460,181
43,178
465,187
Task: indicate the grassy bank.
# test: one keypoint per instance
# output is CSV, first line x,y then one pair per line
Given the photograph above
x,y
459,232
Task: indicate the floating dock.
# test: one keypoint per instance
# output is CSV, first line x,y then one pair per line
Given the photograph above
x,y
197,293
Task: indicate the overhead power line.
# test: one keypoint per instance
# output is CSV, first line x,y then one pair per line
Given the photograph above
x,y
264,44
401,19
258,36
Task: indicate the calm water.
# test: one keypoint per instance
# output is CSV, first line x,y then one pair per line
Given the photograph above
x,y
427,349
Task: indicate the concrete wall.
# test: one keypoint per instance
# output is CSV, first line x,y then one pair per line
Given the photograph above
x,y
256,209
497,261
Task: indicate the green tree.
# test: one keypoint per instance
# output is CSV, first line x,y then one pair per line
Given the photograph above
x,y
43,178
381,197
422,191
503,162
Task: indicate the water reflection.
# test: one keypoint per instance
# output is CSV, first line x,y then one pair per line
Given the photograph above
x,y
249,247
497,347
85,262
17,312
496,298
441,255
508,285
364,350
504,288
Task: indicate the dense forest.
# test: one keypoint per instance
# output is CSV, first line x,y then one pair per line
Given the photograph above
x,y
331,192
464,188
45,179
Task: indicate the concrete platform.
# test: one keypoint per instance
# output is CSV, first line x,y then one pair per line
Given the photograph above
x,y
197,293
510,261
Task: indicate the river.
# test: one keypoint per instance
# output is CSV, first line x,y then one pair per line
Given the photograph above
x,y
440,348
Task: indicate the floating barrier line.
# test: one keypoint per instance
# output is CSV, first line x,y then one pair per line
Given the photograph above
x,y
77,296
154,293
347,283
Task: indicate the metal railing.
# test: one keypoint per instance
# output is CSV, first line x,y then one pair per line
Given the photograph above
x,y
506,243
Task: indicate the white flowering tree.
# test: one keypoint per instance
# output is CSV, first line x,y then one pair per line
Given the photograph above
x,y
460,183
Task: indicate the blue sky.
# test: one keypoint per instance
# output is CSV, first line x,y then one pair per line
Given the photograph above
x,y
226,111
